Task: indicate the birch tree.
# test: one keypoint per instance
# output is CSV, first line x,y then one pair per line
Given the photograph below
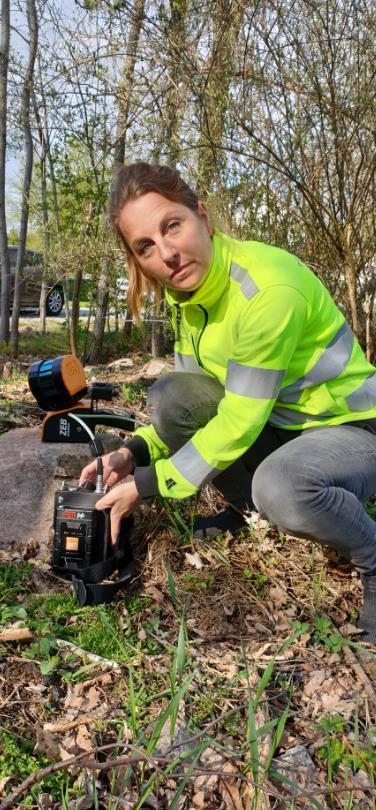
x,y
4,257
25,116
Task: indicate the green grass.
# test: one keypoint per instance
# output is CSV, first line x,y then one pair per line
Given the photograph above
x,y
56,341
147,699
134,393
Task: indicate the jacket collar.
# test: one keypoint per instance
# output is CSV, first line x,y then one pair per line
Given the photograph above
x,y
215,282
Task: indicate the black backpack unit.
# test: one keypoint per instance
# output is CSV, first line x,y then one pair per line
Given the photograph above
x,y
82,548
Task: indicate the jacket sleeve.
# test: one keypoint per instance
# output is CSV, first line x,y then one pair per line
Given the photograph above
x,y
146,446
269,329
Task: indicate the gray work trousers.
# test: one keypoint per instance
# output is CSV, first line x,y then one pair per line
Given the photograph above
x,y
312,485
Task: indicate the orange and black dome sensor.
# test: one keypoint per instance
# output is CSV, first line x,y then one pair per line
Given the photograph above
x,y
57,383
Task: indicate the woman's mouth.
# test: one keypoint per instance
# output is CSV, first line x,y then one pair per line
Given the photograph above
x,y
180,271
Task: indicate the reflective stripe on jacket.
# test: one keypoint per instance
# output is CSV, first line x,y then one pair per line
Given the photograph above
x,y
265,326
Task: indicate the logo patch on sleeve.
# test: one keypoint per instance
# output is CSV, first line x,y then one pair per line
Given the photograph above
x,y
170,483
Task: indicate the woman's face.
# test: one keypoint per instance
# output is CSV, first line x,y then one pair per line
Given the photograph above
x,y
170,242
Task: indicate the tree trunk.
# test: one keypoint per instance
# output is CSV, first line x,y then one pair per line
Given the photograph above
x,y
168,142
25,114
51,166
4,257
100,316
46,232
351,279
75,312
119,151
127,328
158,339
214,100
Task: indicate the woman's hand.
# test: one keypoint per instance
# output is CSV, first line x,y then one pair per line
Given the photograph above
x,y
122,501
116,465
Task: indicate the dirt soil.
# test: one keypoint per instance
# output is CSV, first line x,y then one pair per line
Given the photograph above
x,y
242,599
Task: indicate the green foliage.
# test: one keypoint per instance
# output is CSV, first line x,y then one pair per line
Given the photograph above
x,y
257,580
13,579
56,341
57,616
370,507
18,760
337,753
134,393
152,703
198,581
324,634
171,583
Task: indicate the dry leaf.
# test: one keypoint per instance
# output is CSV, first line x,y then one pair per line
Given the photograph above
x,y
198,800
229,788
277,595
154,592
315,682
84,739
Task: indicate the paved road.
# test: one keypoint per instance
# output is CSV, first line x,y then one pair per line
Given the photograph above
x,y
32,318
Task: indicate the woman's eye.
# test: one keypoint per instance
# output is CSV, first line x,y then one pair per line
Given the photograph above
x,y
172,225
145,248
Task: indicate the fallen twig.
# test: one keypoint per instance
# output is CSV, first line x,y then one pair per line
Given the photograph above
x,y
362,675
15,633
56,728
97,659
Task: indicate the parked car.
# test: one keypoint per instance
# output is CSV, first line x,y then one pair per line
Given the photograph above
x,y
32,276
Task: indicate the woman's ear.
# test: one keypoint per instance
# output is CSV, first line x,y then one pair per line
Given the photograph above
x,y
203,213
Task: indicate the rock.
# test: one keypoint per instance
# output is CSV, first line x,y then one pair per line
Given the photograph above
x,y
295,765
122,362
93,371
28,482
156,367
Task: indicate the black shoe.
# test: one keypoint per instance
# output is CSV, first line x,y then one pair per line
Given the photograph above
x,y
367,614
227,521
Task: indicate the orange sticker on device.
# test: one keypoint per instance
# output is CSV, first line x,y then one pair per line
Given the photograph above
x,y
71,543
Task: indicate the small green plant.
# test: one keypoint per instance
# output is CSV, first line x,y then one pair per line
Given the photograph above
x,y
180,522
256,580
324,634
10,612
171,584
14,578
338,752
17,760
318,588
198,581
133,393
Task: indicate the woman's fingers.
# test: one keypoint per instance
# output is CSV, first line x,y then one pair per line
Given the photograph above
x,y
109,501
122,500
89,473
116,465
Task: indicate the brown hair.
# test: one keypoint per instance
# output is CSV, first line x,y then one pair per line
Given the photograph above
x,y
132,182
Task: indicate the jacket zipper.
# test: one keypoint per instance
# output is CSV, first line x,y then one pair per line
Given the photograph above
x,y
178,319
196,349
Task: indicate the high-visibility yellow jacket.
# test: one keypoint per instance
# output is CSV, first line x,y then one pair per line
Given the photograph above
x,y
265,326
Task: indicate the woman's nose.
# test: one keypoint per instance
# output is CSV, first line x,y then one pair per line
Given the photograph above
x,y
167,251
